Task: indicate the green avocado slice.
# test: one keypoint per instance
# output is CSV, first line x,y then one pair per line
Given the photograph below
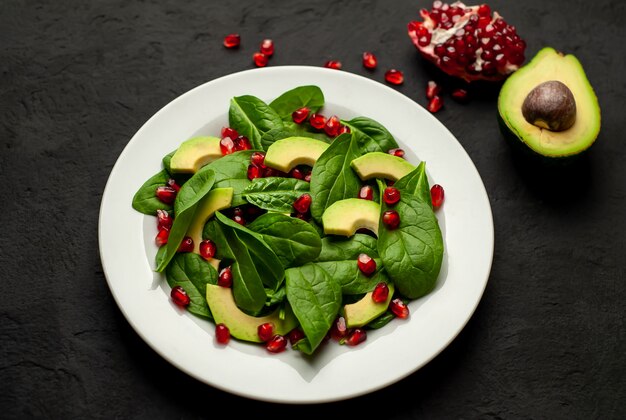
x,y
285,154
194,154
381,165
365,310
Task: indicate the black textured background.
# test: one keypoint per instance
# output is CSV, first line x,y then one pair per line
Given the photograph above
x,y
79,78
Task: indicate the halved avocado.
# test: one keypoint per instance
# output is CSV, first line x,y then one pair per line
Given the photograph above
x,y
285,154
381,165
194,154
536,108
345,217
364,311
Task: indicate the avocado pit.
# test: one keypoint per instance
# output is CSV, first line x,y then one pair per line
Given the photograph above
x,y
550,105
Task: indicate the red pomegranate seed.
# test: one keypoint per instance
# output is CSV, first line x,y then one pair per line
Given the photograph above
x,y
242,143
344,129
240,220
225,279
296,173
164,220
317,121
460,95
258,159
266,331
391,219
222,334
186,245
207,249
380,293
172,183
435,104
302,216
432,89
366,264
180,297
161,238
338,330
357,336
227,146
229,132
237,211
436,195
267,47
391,195
300,114
307,177
369,60
260,59
399,308
332,126
276,344
295,335
395,77
254,172
166,194
333,64
396,152
484,10
366,192
232,40
302,203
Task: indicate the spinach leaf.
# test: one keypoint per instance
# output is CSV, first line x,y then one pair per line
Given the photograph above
x,y
187,198
381,189
291,130
413,252
381,321
145,200
275,193
315,298
192,273
416,182
332,178
232,171
309,96
336,248
167,159
294,241
252,117
370,135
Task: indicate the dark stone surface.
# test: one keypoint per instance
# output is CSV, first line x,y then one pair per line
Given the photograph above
x,y
548,339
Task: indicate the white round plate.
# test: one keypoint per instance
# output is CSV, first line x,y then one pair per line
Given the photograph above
x,y
336,372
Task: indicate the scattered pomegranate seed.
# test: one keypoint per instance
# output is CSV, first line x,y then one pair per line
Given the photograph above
x,y
300,114
396,152
432,89
436,195
164,220
460,95
254,172
303,203
260,59
227,146
180,297
343,130
391,219
268,172
333,64
207,249
435,104
295,335
391,195
369,60
307,177
232,40
161,238
366,264
240,220
225,278
186,245
296,173
266,331
222,334
258,159
229,132
317,121
395,77
338,330
332,126
366,192
380,293
165,194
399,308
172,183
357,336
238,211
242,143
267,47
276,344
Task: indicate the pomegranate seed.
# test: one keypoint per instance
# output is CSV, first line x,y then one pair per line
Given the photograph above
x,y
186,245
300,114
302,216
391,195
242,143
333,64
207,249
172,183
232,40
161,238
366,192
338,330
166,194
357,336
317,121
380,293
267,47
395,77
260,59
180,297
276,344
437,4
332,126
296,173
366,264
399,308
258,159
432,89
396,152
484,10
240,220
460,95
229,132
437,195
237,211
222,334
307,177
266,331
227,146
302,203
369,60
391,219
295,335
344,129
435,104
254,172
164,220
225,278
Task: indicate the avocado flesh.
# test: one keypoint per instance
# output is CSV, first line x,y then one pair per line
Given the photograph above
x,y
194,154
381,165
364,311
345,217
548,65
241,325
285,154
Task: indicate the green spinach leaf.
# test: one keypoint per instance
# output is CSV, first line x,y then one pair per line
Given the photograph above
x,y
232,171
370,135
309,96
192,273
252,117
416,182
145,200
275,193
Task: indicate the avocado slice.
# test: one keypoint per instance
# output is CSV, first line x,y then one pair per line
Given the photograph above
x,y
241,325
345,217
285,154
533,105
194,153
381,165
364,311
